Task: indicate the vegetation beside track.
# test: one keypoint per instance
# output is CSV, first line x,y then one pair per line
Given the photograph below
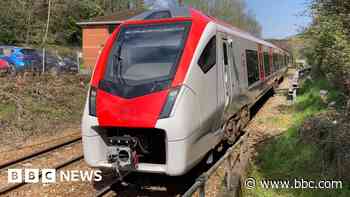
x,y
315,147
36,105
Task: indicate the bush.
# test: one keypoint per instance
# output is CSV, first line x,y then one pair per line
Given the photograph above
x,y
329,49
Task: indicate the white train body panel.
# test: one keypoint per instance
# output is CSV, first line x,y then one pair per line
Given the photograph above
x,y
197,120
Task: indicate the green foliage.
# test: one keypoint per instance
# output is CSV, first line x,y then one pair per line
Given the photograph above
x,y
289,156
7,111
232,11
328,39
24,21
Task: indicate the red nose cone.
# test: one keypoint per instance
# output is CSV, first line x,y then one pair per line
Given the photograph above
x,y
139,112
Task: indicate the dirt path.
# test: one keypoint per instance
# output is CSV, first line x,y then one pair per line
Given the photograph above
x,y
273,118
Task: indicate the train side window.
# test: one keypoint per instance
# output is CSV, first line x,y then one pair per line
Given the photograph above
x,y
275,61
224,46
252,66
281,61
285,61
267,64
208,57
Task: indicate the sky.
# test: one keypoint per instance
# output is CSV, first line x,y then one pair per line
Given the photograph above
x,y
279,18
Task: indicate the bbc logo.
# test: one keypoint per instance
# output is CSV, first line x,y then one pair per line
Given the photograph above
x,y
49,175
31,175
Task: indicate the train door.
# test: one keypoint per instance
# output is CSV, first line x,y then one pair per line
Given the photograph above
x,y
235,90
271,60
227,70
261,63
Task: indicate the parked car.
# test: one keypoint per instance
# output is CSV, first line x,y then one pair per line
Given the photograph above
x,y
70,65
55,63
22,58
4,67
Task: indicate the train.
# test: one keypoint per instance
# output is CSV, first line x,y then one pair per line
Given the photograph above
x,y
170,86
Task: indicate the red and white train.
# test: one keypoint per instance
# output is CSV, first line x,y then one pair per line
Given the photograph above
x,y
169,86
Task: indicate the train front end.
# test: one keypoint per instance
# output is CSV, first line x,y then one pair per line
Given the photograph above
x,y
139,114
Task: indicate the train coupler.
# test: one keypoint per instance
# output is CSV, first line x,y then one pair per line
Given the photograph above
x,y
121,153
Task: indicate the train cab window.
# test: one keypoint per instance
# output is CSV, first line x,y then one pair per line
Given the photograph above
x,y
159,15
111,28
252,66
267,64
208,57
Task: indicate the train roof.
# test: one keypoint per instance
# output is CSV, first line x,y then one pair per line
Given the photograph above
x,y
187,12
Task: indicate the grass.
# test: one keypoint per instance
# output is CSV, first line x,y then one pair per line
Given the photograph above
x,y
7,111
81,66
287,157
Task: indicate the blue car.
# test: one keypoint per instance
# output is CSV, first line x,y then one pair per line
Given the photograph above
x,y
22,58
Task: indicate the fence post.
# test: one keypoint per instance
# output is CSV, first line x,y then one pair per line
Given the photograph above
x,y
44,58
202,190
229,173
78,60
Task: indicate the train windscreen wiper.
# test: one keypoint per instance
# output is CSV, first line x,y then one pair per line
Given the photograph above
x,y
118,66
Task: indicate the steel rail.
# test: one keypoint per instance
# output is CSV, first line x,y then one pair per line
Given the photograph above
x,y
200,181
108,188
40,152
104,191
57,167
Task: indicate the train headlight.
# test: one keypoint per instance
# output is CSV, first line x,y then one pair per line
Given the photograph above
x,y
92,101
169,104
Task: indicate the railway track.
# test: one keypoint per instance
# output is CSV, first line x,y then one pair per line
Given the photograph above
x,y
37,154
180,185
108,187
104,191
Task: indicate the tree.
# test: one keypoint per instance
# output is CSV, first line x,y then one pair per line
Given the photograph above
x,y
231,11
25,21
329,41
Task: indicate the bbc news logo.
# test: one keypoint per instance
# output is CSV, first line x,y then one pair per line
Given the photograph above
x,y
52,176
